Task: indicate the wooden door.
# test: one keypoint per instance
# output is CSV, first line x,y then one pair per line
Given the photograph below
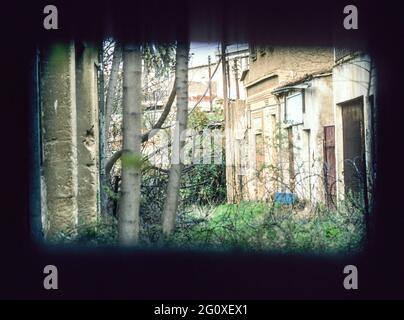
x,y
354,146
329,164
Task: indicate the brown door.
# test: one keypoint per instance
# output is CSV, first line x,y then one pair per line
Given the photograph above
x,y
329,163
354,146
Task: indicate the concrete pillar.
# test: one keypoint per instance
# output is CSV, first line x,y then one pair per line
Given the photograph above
x,y
87,132
59,139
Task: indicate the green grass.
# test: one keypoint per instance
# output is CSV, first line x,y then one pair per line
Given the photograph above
x,y
260,226
248,226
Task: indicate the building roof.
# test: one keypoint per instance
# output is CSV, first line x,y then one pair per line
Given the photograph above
x,y
293,84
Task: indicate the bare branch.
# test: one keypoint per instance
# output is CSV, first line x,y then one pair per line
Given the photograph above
x,y
146,136
113,79
163,116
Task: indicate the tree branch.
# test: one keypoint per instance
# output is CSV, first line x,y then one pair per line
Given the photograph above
x,y
158,169
113,80
110,163
146,136
163,116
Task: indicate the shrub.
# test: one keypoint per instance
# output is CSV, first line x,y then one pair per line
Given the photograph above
x,y
263,226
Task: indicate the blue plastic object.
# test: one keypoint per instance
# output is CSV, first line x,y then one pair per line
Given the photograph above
x,y
285,198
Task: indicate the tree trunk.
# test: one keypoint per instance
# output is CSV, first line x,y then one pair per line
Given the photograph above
x,y
104,183
171,203
128,215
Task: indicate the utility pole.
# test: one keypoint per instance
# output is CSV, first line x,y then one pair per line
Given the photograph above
x,y
210,87
228,77
228,147
236,78
223,57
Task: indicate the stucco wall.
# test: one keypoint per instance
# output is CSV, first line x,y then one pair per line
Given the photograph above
x,y
290,62
354,78
279,66
319,114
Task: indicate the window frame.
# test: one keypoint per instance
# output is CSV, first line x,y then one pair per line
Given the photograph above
x,y
302,106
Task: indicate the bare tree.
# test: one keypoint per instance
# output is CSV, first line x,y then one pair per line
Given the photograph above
x,y
128,215
112,84
149,134
181,75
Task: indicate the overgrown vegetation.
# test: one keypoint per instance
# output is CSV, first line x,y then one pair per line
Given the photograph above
x,y
251,226
263,226
204,184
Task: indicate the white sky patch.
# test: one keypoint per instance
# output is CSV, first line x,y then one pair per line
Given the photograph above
x,y
200,51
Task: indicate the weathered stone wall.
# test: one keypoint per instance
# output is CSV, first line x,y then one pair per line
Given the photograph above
x,y
87,132
59,139
69,113
290,63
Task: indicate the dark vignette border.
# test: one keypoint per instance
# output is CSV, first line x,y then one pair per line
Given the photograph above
x,y
119,274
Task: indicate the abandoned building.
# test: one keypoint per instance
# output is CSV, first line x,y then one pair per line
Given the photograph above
x,y
262,161
306,128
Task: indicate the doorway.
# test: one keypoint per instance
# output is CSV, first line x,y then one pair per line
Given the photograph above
x,y
353,146
329,164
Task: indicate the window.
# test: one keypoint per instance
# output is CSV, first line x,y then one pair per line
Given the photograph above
x,y
257,121
294,108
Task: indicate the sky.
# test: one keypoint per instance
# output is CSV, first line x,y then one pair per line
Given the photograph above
x,y
200,51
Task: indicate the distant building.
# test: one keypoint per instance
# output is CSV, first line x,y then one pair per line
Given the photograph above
x,y
205,93
305,128
198,77
261,152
